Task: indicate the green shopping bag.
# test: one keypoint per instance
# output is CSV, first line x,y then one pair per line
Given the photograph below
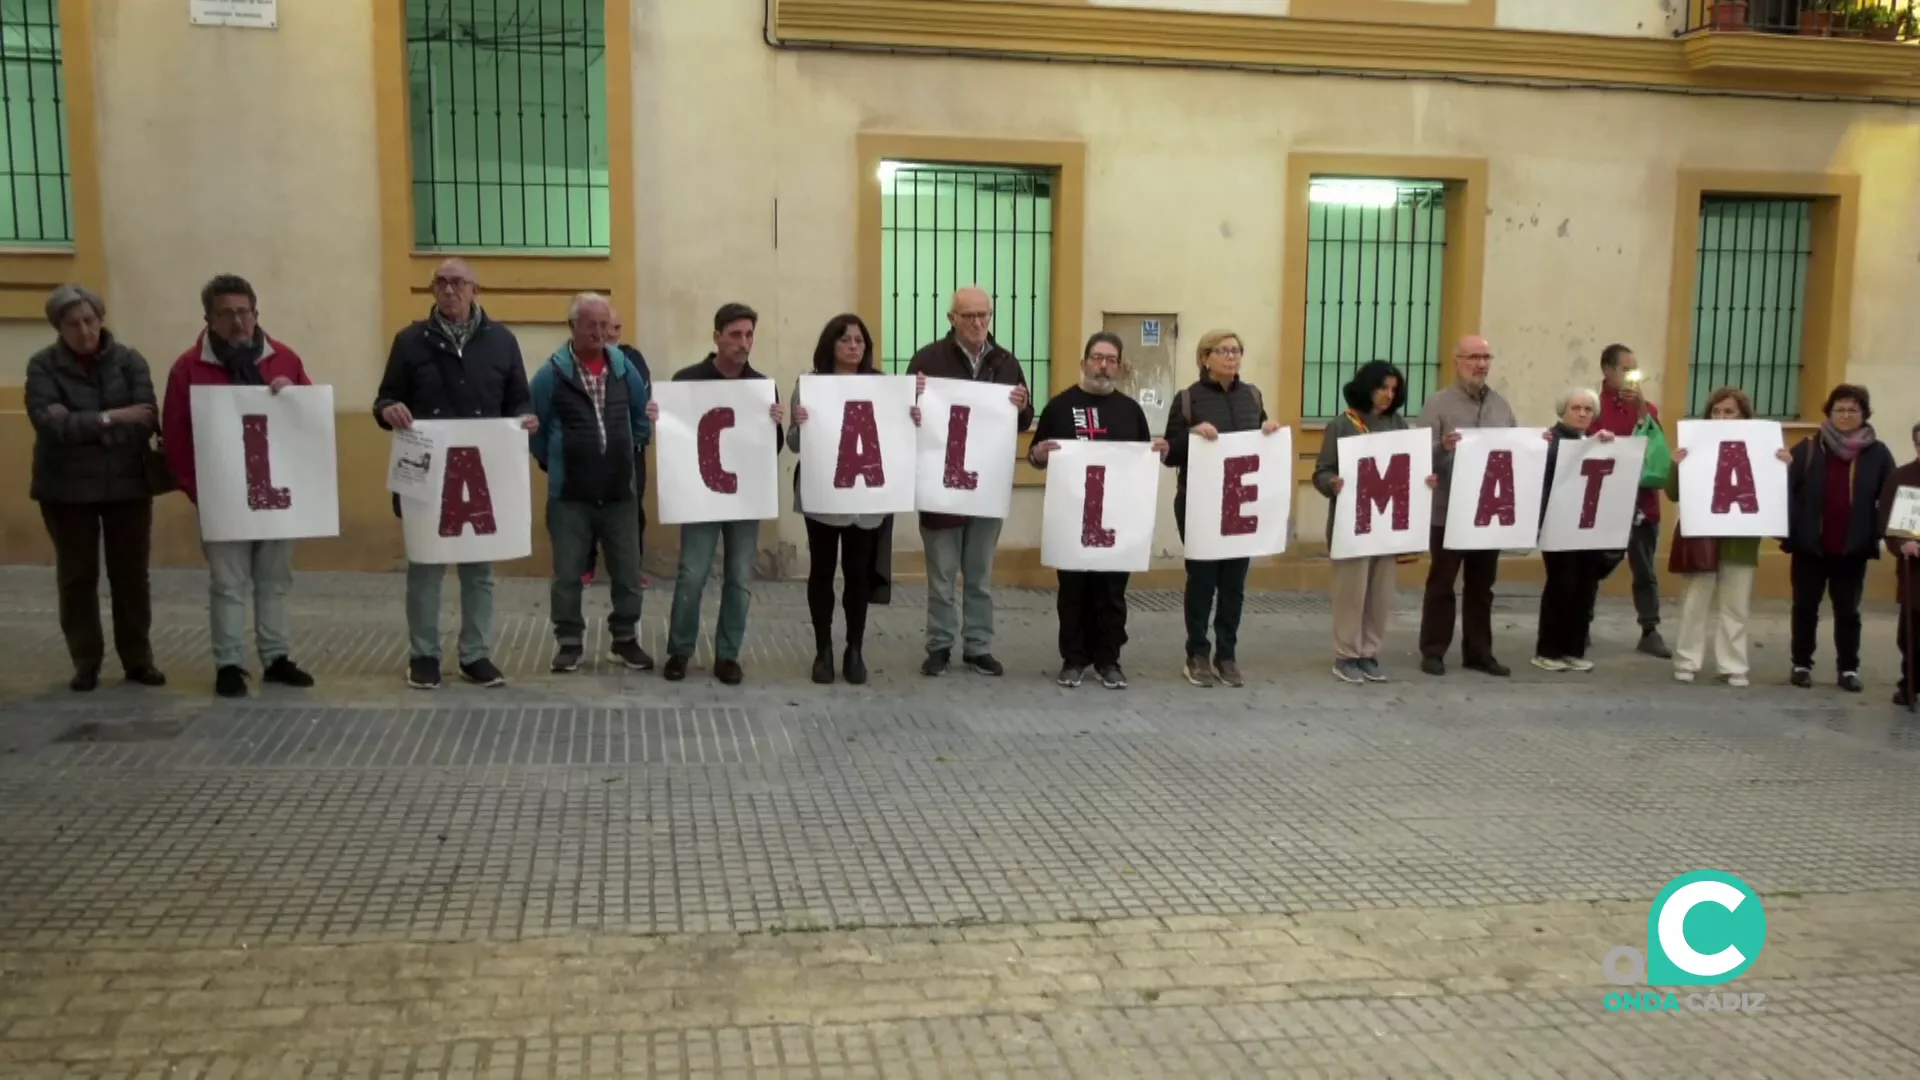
x,y
1659,462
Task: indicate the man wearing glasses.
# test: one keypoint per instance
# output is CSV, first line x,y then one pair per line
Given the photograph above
x,y
959,546
455,364
234,351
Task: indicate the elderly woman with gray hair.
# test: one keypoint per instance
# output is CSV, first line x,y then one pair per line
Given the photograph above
x,y
91,402
1573,577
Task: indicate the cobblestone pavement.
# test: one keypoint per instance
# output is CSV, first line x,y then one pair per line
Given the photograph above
x,y
607,875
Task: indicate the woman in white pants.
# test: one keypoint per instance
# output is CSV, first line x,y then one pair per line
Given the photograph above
x,y
1718,573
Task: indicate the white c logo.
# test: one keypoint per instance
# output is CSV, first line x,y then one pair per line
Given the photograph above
x,y
1673,935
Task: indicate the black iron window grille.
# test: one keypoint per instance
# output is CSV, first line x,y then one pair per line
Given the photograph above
x,y
36,206
508,105
943,227
1871,20
1749,311
1376,251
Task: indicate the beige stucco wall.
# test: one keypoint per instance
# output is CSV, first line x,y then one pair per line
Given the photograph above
x,y
1185,171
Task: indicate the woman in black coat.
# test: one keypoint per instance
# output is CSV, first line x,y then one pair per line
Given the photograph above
x,y
91,402
1834,483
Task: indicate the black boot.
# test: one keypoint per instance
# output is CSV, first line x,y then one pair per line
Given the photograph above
x,y
823,660
854,665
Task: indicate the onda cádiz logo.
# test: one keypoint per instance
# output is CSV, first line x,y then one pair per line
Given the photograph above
x,y
1705,928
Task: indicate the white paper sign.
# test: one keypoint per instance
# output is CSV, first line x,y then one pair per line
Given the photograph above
x,y
1596,486
251,14
1239,495
1384,506
1904,521
483,511
719,452
858,446
265,463
1499,481
415,464
1731,483
1100,502
966,449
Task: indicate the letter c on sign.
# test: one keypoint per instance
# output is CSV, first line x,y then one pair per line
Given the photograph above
x,y
1673,933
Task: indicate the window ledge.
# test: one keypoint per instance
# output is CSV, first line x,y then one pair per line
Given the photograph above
x,y
1829,59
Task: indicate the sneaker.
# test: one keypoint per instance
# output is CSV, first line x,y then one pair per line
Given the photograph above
x,y
1490,666
1433,665
1348,671
1113,678
1653,644
853,664
285,672
567,659
935,665
1549,663
729,672
675,670
1070,676
1850,682
1370,669
823,665
631,654
985,664
482,673
1198,671
1801,677
1683,676
84,681
230,681
423,673
1579,663
146,675
1738,682
1228,672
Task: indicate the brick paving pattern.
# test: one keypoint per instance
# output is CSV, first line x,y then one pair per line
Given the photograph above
x,y
607,875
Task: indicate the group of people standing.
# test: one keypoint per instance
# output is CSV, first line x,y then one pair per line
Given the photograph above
x,y
589,413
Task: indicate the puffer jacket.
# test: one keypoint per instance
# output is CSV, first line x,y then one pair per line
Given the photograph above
x,y
75,460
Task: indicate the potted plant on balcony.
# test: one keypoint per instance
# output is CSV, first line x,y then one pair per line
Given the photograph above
x,y
1816,17
1877,23
1729,15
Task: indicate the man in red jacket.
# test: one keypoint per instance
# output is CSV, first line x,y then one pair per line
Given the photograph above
x,y
235,351
1621,407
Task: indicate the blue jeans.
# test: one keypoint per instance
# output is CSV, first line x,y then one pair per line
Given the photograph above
x,y
698,544
476,610
234,566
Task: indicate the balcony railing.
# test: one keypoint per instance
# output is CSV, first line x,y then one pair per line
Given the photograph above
x,y
1870,20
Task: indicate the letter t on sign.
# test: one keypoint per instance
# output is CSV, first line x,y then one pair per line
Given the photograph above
x,y
1595,471
712,473
261,494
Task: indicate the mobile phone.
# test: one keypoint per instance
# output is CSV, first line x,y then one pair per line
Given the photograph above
x,y
1634,376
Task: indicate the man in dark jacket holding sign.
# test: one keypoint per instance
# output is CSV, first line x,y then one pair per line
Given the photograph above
x,y
1093,603
455,364
958,546
592,407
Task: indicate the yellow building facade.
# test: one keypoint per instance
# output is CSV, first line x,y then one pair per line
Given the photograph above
x,y
1734,204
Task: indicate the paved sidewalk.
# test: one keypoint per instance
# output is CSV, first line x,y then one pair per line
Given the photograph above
x,y
607,875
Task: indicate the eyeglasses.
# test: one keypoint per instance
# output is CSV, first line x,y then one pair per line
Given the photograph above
x,y
973,316
1103,358
1228,350
450,282
1475,356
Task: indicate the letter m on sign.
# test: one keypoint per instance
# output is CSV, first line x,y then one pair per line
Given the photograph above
x,y
1376,492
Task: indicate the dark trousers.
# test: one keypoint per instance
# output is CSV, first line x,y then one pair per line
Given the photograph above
x,y
1643,545
575,529
1093,617
851,550
1909,656
1841,579
1475,605
1566,603
1217,588
77,530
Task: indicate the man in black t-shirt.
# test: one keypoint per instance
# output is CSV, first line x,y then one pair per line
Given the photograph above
x,y
1093,603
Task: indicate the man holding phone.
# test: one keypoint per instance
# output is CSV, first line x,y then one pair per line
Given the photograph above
x,y
1622,409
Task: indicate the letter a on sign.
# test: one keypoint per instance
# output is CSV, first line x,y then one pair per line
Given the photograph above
x,y
1384,506
465,501
858,446
1498,489
859,457
484,509
1731,484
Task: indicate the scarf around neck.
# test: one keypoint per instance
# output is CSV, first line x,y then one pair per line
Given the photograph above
x,y
242,361
458,333
1846,447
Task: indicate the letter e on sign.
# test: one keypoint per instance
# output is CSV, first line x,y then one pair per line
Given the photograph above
x,y
1234,521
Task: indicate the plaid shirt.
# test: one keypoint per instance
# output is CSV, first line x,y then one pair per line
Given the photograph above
x,y
596,388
